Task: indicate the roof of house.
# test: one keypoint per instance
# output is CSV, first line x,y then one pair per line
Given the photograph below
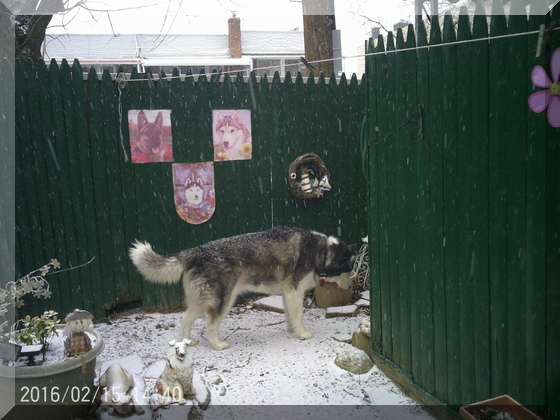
x,y
178,49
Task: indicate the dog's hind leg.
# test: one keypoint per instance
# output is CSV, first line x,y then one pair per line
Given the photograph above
x,y
215,317
212,325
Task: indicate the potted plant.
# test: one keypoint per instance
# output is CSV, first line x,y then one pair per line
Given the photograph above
x,y
61,385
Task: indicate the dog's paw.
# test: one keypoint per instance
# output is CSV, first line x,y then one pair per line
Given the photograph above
x,y
304,335
220,345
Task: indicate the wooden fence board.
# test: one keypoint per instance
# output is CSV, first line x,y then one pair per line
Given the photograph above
x,y
516,196
450,228
480,206
466,199
434,133
498,84
399,145
61,200
370,167
536,234
49,218
552,241
88,236
424,271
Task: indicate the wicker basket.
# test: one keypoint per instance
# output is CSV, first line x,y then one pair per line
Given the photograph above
x,y
312,161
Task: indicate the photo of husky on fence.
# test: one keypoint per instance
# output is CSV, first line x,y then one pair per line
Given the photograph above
x,y
232,134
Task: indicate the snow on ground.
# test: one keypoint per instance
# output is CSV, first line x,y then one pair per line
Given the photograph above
x,y
264,365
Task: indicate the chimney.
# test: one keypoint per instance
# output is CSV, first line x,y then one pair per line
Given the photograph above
x,y
234,37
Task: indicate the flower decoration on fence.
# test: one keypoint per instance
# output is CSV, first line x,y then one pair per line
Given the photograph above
x,y
549,98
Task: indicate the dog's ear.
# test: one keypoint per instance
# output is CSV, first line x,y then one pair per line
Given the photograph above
x,y
172,342
159,119
219,117
187,342
188,183
142,120
235,116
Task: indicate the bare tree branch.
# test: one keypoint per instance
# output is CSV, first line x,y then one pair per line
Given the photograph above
x,y
376,22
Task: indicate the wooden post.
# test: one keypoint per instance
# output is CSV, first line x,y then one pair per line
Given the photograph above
x,y
318,24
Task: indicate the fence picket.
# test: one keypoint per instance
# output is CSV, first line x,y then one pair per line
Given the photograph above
x,y
434,133
466,199
48,182
480,204
516,152
498,200
536,232
379,130
402,196
29,235
62,200
87,241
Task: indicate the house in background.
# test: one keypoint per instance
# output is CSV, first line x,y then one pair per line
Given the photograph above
x,y
266,52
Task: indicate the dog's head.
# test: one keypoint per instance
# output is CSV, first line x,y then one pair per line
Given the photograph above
x,y
339,262
230,130
150,135
180,348
194,191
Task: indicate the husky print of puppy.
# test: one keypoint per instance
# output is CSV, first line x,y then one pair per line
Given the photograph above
x,y
231,134
284,260
150,138
194,192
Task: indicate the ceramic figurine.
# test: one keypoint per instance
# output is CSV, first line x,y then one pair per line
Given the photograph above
x,y
77,323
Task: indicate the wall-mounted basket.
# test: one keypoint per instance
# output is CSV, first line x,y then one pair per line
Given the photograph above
x,y
308,161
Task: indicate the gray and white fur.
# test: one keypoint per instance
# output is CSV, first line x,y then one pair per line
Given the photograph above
x,y
283,260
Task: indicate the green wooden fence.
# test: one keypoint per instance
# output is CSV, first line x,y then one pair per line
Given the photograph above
x,y
78,197
464,221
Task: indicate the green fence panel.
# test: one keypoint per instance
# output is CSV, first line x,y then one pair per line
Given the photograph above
x,y
463,223
79,196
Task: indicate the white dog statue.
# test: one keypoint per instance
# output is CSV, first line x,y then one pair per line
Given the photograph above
x,y
176,381
119,387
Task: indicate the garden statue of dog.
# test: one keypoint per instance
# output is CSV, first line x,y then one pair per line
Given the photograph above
x,y
119,389
176,381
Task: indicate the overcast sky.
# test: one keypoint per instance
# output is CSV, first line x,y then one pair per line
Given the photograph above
x,y
210,16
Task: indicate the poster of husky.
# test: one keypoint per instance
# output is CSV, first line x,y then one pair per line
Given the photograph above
x,y
232,134
194,191
150,135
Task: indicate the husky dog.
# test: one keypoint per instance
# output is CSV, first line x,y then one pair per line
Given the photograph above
x,y
194,192
231,133
150,137
283,260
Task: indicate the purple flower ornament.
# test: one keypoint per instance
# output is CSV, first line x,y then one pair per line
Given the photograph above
x,y
549,98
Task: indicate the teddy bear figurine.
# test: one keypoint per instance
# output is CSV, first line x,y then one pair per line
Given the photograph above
x,y
77,323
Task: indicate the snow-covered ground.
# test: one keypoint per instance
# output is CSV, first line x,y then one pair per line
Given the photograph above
x,y
265,372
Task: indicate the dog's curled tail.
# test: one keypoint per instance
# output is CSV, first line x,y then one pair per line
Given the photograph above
x,y
154,267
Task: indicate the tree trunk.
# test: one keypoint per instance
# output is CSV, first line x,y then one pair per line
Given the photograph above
x,y
29,36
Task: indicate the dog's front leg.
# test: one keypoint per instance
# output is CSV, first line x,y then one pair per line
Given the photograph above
x,y
212,324
293,304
